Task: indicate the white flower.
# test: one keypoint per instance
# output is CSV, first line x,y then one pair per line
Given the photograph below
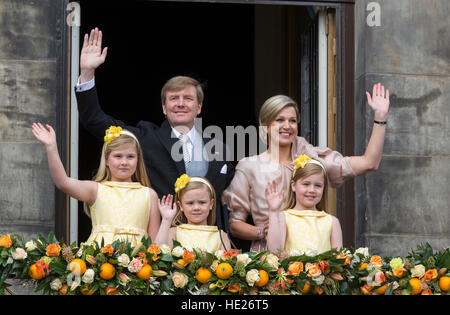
x,y
19,253
220,254
295,252
180,279
311,252
30,245
418,271
123,260
165,249
135,265
244,259
272,261
88,276
56,284
79,253
319,280
178,251
252,277
363,251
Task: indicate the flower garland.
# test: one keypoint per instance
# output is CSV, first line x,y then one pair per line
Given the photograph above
x,y
118,268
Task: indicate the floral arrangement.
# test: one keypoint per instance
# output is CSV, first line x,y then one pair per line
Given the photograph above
x,y
119,268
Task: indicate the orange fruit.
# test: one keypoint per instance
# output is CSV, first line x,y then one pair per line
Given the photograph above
x,y
203,275
263,278
107,271
305,289
224,271
381,290
85,290
77,266
415,285
444,283
145,273
36,274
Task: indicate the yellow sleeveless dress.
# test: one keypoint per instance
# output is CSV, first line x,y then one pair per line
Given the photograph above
x,y
308,231
205,237
121,211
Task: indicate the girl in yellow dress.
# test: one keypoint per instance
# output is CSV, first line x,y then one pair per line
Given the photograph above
x,y
119,199
302,228
190,219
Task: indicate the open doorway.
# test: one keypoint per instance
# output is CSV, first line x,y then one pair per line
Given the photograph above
x,y
243,53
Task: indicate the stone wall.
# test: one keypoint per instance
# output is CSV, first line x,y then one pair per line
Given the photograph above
x,y
406,202
28,64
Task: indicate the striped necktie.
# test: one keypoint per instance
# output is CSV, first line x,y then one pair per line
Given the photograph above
x,y
186,154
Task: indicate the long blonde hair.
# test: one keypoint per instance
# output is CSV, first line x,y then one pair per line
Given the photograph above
x,y
308,170
104,174
180,218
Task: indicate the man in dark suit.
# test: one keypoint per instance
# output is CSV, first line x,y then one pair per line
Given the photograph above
x,y
170,150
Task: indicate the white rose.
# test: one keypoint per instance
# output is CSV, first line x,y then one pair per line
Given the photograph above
x,y
123,260
88,276
165,249
178,251
180,279
220,254
244,259
55,284
273,262
319,280
252,277
418,271
363,251
30,245
295,252
19,253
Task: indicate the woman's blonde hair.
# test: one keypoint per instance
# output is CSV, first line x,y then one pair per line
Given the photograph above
x,y
308,170
270,109
180,218
104,174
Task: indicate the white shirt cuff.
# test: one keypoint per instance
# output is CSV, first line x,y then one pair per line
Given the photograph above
x,y
84,86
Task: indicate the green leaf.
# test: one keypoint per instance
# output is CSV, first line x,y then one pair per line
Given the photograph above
x,y
167,258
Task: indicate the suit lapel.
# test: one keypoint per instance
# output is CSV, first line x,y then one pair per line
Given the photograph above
x,y
168,141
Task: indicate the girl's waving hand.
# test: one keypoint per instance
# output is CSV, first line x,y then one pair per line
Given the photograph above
x,y
85,191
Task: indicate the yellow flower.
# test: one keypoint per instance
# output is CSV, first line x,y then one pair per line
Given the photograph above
x,y
112,133
181,182
301,161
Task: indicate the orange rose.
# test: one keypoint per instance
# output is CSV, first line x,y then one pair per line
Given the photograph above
x,y
313,270
5,241
430,275
376,261
234,288
108,249
398,272
295,268
342,256
188,257
155,250
53,250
